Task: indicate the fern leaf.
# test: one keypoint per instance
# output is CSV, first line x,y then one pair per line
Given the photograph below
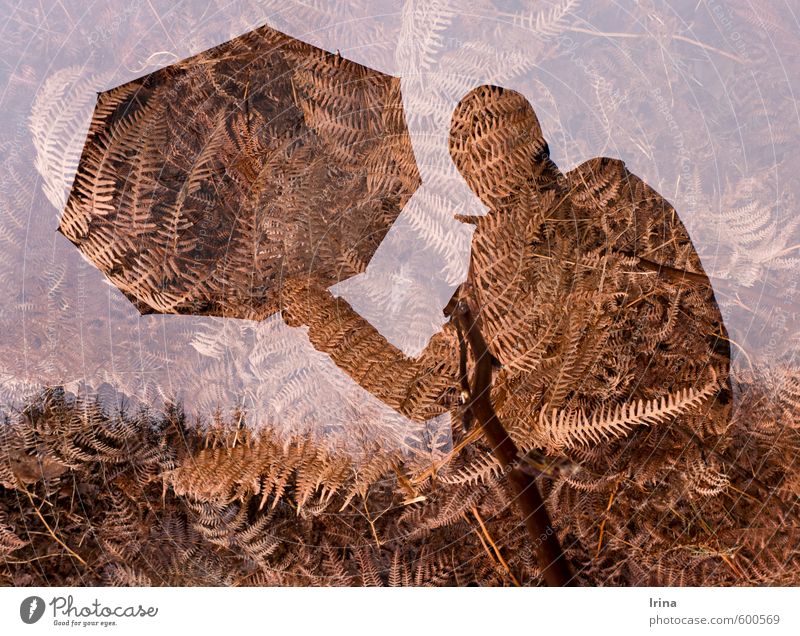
x,y
569,428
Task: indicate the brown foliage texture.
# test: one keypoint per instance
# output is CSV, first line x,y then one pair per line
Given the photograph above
x,y
611,365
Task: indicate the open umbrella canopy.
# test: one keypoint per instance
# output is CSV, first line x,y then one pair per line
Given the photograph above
x,y
204,185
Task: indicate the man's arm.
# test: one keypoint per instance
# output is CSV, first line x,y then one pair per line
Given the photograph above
x,y
420,388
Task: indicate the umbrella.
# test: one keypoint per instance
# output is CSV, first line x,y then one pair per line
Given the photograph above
x,y
205,185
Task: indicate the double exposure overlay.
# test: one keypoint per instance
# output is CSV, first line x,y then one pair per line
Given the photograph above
x,y
357,293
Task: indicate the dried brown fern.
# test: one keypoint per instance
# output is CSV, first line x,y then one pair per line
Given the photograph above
x,y
614,310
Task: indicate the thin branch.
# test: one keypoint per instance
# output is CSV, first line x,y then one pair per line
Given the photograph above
x,y
603,522
680,38
49,529
496,550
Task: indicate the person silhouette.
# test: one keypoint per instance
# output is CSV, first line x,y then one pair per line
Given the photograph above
x,y
585,286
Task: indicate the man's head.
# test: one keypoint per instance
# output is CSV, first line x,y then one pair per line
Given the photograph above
x,y
497,144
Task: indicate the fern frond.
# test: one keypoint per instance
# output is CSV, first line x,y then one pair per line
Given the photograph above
x,y
563,429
